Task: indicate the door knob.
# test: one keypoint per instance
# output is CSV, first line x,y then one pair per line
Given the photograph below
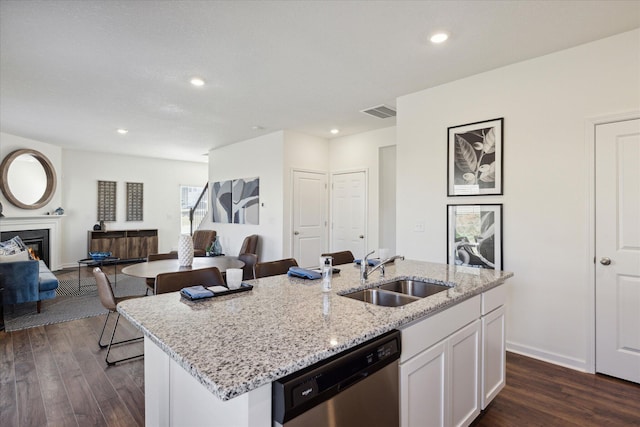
x,y
361,236
605,261
295,233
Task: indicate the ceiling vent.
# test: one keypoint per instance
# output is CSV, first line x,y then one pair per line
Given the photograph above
x,y
380,111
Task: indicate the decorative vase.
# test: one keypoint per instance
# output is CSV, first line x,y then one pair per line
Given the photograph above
x,y
217,247
185,250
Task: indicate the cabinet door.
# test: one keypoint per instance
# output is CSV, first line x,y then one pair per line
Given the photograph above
x,y
464,366
423,389
493,355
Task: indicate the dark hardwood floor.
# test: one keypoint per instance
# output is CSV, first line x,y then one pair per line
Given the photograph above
x,y
56,376
542,394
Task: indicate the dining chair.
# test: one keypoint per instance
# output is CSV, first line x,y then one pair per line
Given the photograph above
x,y
273,268
110,301
156,257
202,239
174,281
342,257
250,245
250,261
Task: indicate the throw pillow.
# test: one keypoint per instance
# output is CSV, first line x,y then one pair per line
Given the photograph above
x,y
20,256
12,246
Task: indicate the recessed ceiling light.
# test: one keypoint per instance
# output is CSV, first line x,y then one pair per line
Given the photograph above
x,y
257,127
439,37
335,131
122,131
197,81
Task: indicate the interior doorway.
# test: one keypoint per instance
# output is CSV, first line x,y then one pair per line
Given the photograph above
x,y
309,212
617,248
349,212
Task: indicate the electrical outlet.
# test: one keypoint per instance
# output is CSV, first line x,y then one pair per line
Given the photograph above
x,y
419,227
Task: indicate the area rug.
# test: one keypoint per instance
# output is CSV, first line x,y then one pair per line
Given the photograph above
x,y
70,304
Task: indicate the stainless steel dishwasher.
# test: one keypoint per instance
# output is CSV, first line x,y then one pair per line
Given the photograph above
x,y
358,387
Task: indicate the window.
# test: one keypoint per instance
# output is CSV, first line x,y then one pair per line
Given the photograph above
x,y
188,198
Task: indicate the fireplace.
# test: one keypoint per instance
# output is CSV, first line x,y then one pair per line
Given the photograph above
x,y
37,240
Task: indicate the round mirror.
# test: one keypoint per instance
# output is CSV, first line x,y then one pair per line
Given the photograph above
x,y
28,179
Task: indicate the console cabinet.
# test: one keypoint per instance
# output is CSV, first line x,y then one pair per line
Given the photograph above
x,y
124,244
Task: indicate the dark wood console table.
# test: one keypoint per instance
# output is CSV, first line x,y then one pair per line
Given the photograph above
x,y
124,244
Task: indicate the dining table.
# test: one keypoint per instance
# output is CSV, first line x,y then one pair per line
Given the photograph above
x,y
150,269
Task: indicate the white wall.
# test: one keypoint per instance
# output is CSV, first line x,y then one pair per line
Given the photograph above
x,y
259,157
545,103
161,206
361,151
388,203
9,143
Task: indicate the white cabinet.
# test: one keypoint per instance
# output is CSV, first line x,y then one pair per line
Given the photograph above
x,y
440,366
453,363
423,388
440,386
494,353
464,371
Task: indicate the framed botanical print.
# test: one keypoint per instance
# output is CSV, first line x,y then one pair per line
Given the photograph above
x,y
474,235
474,166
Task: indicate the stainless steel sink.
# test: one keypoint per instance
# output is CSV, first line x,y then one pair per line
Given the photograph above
x,y
416,288
380,297
398,292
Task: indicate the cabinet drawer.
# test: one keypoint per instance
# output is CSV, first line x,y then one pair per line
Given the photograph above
x,y
493,299
424,333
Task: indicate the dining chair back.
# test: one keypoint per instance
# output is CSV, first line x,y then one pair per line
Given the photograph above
x,y
174,281
151,283
273,268
250,261
157,257
250,245
342,257
110,301
202,239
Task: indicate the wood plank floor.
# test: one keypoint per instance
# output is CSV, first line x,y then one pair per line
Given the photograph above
x,y
56,376
542,394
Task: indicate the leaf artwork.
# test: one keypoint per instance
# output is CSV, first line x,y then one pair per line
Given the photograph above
x,y
475,239
475,158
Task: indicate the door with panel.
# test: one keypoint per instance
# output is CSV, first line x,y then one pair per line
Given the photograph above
x,y
309,216
349,212
617,264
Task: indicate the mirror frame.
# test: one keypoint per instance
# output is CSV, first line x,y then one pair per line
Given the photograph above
x,y
48,170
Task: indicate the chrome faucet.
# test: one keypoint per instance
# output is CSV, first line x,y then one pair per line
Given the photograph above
x,y
364,266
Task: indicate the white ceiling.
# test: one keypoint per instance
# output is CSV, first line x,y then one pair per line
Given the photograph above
x,y
71,72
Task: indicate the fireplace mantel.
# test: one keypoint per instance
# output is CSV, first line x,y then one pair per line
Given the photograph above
x,y
50,222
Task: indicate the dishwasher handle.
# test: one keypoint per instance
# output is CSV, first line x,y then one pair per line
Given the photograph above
x,y
352,380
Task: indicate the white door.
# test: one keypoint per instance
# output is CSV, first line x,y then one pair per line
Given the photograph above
x,y
309,217
349,212
617,188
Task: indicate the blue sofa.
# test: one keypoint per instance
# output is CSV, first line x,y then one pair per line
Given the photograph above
x,y
27,281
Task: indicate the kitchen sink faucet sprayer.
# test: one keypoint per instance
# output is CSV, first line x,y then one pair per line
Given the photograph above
x,y
364,266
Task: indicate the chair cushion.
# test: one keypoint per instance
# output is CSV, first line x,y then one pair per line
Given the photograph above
x,y
47,280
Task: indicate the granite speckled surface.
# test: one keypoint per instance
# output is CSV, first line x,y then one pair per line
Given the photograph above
x,y
236,343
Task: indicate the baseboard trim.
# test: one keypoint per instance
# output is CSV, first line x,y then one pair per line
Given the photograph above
x,y
546,356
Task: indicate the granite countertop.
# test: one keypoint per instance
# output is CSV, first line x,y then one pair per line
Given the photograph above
x,y
236,343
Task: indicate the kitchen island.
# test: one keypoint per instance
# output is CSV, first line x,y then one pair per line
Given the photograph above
x,y
213,361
